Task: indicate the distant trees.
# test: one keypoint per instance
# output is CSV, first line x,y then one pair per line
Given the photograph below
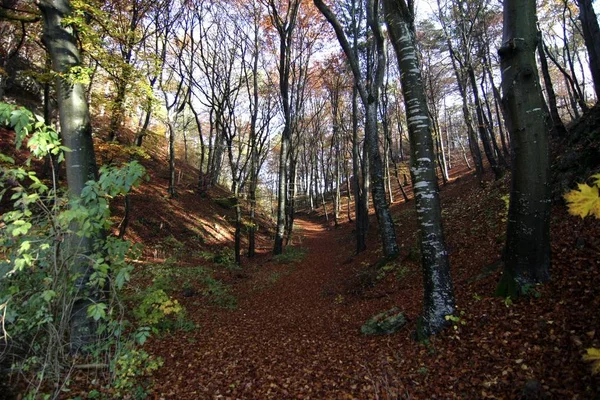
x,y
284,19
369,95
232,81
261,106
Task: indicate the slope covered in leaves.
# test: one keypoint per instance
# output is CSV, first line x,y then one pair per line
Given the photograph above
x,y
295,332
289,327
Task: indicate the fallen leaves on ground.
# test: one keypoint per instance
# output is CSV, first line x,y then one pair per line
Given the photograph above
x,y
296,335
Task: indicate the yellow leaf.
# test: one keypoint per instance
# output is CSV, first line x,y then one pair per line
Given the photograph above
x,y
584,201
596,179
593,355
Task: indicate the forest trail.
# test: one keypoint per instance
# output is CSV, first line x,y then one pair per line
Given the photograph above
x,y
288,338
295,333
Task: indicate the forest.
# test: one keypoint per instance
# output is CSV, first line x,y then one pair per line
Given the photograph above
x,y
299,199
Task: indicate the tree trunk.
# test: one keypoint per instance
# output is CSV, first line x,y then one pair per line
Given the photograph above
x,y
472,136
171,189
370,97
80,162
291,198
558,128
238,228
281,195
527,253
500,110
117,111
360,216
285,29
483,134
384,218
438,292
591,35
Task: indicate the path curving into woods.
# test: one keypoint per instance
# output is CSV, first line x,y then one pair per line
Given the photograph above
x,y
291,336
296,331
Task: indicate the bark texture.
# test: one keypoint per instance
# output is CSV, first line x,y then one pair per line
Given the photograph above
x,y
558,126
527,253
285,29
438,291
80,162
591,35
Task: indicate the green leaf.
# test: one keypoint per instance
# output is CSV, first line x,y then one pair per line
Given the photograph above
x,y
142,334
26,245
122,277
48,295
21,228
97,311
20,122
6,159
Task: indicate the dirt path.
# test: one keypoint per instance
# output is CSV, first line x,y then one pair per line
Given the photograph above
x,y
288,338
295,333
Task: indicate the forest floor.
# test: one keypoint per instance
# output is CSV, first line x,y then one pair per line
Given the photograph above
x,y
294,332
289,327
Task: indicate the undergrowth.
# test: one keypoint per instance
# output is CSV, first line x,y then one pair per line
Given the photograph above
x,y
41,278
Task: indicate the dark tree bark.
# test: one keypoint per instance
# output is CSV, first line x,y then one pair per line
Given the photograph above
x,y
483,133
171,191
591,35
438,292
500,110
360,206
527,253
80,162
558,127
489,122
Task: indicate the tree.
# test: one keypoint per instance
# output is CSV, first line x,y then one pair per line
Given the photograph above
x,y
558,126
591,35
460,61
527,252
369,95
76,132
14,37
563,48
430,45
261,112
460,26
127,36
171,81
438,293
284,22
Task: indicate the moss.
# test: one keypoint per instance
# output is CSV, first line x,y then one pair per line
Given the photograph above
x,y
508,286
227,202
384,323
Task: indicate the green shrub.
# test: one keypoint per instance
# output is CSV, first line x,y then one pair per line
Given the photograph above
x,y
290,255
156,307
39,287
129,370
